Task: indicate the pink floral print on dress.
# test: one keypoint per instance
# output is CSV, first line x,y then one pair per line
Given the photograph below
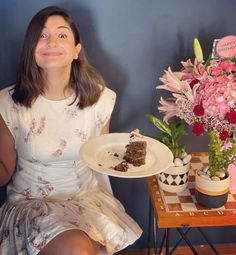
x,y
4,235
42,212
40,245
61,147
100,121
45,187
81,135
71,113
35,128
42,189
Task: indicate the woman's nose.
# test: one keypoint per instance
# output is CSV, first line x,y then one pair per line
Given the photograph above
x,y
51,41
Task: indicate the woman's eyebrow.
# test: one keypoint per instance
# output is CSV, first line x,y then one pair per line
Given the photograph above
x,y
60,27
64,27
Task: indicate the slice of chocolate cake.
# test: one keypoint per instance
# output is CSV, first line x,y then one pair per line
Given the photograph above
x,y
135,153
122,167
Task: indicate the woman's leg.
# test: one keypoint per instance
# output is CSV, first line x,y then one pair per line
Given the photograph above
x,y
71,242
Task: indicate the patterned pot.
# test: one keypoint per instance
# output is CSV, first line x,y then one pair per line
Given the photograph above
x,y
174,179
211,194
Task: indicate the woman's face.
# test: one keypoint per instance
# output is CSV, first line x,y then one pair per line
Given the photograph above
x,y
56,47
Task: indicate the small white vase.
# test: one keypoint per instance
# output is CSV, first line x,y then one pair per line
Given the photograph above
x,y
211,194
174,179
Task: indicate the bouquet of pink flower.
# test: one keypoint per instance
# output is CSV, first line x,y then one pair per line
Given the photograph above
x,y
204,96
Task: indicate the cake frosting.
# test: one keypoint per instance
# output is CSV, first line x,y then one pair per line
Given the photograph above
x,y
136,136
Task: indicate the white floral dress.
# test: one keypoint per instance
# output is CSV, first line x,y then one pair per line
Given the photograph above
x,y
52,190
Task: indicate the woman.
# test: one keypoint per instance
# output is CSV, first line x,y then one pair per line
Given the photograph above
x,y
54,202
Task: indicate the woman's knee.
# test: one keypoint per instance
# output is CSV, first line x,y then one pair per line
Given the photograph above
x,y
83,245
71,242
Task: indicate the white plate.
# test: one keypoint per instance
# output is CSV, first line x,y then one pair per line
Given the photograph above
x,y
98,154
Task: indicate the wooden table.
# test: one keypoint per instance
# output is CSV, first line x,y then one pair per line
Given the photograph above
x,y
181,211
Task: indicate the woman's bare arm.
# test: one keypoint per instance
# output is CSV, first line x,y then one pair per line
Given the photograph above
x,y
7,153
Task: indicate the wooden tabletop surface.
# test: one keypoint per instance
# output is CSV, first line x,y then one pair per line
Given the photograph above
x,y
181,209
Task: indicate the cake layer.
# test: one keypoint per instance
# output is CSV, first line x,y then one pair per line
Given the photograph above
x,y
122,167
135,161
136,153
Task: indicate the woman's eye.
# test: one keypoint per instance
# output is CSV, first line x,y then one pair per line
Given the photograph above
x,y
43,35
62,36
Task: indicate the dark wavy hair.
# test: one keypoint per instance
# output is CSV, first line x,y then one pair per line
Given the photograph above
x,y
86,83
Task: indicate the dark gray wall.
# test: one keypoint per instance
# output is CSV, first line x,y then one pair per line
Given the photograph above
x,y
130,42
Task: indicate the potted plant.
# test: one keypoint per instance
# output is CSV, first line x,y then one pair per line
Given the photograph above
x,y
175,178
212,183
203,95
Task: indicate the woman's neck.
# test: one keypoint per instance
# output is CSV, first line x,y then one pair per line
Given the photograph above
x,y
57,84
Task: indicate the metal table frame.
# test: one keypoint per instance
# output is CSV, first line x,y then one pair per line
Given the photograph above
x,y
183,231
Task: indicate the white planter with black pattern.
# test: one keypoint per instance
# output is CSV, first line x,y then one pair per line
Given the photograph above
x,y
174,179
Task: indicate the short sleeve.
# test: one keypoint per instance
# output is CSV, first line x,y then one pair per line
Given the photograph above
x,y
104,108
8,110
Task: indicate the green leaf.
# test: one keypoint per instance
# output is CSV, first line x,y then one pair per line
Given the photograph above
x,y
219,158
159,124
172,127
171,134
166,139
208,61
179,132
232,140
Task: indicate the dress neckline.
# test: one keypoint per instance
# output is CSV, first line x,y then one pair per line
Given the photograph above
x,y
65,100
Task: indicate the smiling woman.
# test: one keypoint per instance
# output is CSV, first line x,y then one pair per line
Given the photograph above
x,y
55,204
57,31
55,51
56,46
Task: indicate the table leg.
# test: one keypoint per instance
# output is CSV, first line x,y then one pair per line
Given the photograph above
x,y
155,235
180,240
162,242
150,227
187,240
167,241
152,230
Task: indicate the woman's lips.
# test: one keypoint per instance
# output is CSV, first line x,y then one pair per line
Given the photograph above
x,y
51,53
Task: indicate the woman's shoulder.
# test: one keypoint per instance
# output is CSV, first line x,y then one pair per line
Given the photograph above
x,y
108,93
106,100
5,93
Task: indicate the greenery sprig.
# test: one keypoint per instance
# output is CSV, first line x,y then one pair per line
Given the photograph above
x,y
220,158
171,134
